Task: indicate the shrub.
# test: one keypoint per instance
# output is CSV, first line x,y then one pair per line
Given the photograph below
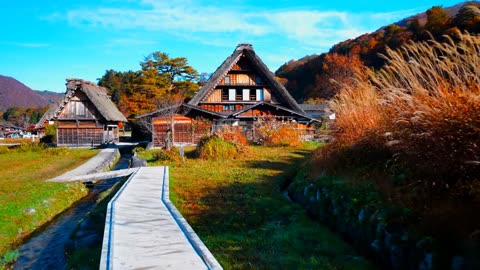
x,y
35,147
231,134
215,148
138,149
274,132
50,134
31,147
167,155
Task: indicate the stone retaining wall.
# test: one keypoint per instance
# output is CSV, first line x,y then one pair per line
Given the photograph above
x,y
376,230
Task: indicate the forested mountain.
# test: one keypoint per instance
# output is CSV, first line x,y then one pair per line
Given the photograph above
x,y
313,79
22,106
50,96
16,94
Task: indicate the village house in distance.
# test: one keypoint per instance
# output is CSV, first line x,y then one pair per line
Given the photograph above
x,y
85,118
239,93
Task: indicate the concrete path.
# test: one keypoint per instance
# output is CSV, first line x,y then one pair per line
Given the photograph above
x,y
95,176
96,164
144,230
9,144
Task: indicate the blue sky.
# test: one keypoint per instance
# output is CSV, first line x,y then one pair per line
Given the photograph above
x,y
44,42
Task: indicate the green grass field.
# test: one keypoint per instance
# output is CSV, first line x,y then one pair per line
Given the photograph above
x,y
26,201
237,208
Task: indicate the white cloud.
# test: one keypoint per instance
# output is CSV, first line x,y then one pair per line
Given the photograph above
x,y
31,45
161,16
207,23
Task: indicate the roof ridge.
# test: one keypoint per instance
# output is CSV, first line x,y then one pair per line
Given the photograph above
x,y
244,46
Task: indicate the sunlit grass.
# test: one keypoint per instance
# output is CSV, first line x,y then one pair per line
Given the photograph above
x,y
237,208
26,201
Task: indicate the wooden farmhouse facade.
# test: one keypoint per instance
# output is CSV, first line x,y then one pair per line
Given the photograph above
x,y
240,92
85,118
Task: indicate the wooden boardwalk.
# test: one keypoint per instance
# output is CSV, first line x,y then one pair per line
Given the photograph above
x,y
144,230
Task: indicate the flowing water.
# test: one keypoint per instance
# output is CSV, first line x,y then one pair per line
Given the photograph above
x,y
45,249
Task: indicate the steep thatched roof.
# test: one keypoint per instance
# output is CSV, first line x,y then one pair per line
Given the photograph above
x,y
96,94
246,50
48,115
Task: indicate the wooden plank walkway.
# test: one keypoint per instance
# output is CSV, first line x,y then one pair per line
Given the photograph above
x,y
144,230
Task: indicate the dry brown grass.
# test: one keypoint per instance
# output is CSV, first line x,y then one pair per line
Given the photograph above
x,y
423,106
277,132
19,140
231,134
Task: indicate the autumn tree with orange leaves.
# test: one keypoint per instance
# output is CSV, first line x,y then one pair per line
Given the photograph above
x,y
337,71
160,78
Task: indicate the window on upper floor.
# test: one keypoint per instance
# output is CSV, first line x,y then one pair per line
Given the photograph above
x,y
231,94
227,79
81,110
246,95
259,94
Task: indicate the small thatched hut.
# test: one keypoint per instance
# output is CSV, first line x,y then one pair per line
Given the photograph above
x,y
85,117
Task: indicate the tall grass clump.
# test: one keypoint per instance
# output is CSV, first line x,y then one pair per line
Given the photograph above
x,y
214,147
233,135
276,132
172,154
419,113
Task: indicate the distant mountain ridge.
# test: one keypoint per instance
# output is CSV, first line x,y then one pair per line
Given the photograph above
x,y
50,96
15,93
422,17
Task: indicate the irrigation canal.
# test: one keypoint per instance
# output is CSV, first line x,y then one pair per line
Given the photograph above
x,y
45,248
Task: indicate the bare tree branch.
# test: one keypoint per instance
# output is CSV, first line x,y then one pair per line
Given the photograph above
x,y
167,106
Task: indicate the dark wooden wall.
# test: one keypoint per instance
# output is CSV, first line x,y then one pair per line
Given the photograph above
x,y
80,136
186,130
